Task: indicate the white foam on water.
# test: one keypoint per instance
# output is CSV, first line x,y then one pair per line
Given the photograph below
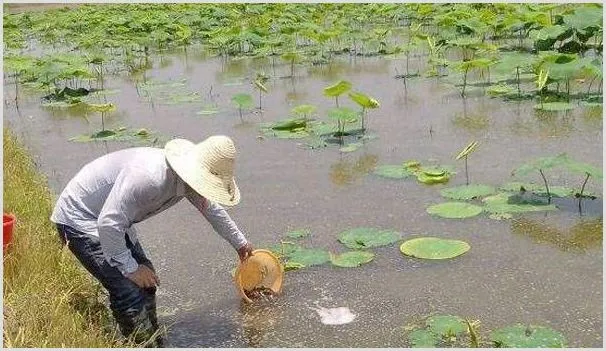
x,y
335,316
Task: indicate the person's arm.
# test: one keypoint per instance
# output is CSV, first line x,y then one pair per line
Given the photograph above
x,y
221,222
130,194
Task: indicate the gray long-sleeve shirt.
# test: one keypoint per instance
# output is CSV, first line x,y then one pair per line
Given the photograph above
x,y
111,193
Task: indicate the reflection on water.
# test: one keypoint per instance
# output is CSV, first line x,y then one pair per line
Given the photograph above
x,y
593,117
258,320
585,234
347,171
545,124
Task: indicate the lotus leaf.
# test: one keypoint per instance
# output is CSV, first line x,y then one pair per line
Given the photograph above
x,y
351,147
208,111
519,186
290,125
525,337
392,171
260,86
428,179
557,191
542,163
423,338
468,192
507,203
554,106
363,100
337,88
434,248
293,266
285,248
454,210
352,258
467,150
299,233
412,165
309,257
361,238
304,109
446,326
242,100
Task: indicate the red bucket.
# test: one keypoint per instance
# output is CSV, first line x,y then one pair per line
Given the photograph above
x,y
8,220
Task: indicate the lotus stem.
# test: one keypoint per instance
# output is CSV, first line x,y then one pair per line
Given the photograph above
x,y
464,81
240,110
583,187
518,80
466,173
546,185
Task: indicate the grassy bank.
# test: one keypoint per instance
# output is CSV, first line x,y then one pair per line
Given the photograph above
x,y
49,300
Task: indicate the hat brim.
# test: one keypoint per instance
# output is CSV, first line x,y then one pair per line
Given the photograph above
x,y
183,161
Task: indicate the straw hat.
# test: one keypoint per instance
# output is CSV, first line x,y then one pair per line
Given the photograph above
x,y
207,167
261,270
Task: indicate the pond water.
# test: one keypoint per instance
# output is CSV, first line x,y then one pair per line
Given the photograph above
x,y
539,268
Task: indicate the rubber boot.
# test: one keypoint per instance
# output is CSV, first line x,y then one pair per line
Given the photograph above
x,y
137,326
150,305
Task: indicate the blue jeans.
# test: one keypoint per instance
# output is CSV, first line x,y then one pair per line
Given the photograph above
x,y
132,306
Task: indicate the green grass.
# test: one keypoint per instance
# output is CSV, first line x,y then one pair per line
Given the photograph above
x,y
49,299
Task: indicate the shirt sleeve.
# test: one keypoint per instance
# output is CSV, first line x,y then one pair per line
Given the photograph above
x,y
218,217
132,191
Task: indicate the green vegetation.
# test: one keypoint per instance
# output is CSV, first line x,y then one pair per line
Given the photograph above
x,y
49,299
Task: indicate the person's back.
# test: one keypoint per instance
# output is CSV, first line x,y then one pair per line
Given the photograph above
x,y
82,200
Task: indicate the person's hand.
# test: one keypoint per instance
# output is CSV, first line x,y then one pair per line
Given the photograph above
x,y
144,277
245,251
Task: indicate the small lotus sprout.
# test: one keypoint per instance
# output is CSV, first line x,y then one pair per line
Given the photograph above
x,y
365,102
464,153
304,111
541,82
242,101
259,83
343,115
102,109
292,57
337,89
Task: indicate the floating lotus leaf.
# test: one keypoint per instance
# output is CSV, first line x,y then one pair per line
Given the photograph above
x,y
525,337
298,233
119,134
208,111
361,238
468,192
446,326
429,179
392,171
101,107
412,165
423,338
290,125
556,191
351,147
507,203
309,257
454,210
554,106
434,248
352,258
285,248
520,186
293,266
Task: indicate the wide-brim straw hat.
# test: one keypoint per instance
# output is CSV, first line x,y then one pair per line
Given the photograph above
x,y
207,167
261,270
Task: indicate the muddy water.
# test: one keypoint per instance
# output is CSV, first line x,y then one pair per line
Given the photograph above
x,y
542,269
